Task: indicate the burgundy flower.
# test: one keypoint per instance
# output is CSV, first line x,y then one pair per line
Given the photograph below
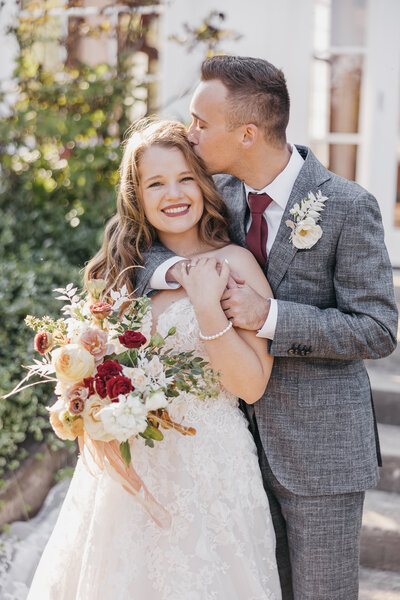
x,y
109,368
88,382
101,310
118,385
43,342
76,405
100,385
132,339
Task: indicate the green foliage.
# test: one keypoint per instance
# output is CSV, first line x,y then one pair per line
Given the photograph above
x,y
59,152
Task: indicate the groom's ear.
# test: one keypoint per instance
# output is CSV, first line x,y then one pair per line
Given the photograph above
x,y
250,134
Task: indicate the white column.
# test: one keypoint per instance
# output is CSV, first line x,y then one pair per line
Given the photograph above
x,y
377,168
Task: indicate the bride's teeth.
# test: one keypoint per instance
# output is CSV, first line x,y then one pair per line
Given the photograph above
x,y
176,210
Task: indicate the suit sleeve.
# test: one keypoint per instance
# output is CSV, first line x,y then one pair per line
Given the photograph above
x,y
364,322
152,259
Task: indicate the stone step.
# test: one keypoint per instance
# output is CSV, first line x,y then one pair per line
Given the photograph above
x,y
379,585
380,535
386,395
389,436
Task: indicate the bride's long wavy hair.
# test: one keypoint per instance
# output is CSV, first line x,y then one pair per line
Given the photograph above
x,y
128,233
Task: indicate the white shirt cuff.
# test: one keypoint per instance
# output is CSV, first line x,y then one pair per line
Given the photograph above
x,y
268,329
158,279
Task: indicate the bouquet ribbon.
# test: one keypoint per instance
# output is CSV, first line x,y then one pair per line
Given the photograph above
x,y
107,457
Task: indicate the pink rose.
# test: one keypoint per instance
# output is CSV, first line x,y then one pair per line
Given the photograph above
x,y
94,340
76,405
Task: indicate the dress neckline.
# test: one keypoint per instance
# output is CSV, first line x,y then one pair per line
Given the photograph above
x,y
166,310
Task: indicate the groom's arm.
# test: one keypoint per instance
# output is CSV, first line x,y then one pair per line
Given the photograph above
x,y
364,322
153,258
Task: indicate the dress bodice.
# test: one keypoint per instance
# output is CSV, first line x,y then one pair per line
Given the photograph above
x,y
181,314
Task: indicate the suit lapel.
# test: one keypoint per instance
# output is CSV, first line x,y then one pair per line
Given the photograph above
x,y
237,209
312,175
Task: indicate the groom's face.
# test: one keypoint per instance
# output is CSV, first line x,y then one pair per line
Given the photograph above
x,y
212,141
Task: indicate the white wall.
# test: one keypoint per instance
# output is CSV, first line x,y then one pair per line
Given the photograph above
x,y
279,31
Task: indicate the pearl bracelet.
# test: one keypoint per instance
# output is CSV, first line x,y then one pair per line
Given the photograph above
x,y
217,335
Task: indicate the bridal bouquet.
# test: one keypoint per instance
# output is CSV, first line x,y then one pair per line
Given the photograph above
x,y
114,382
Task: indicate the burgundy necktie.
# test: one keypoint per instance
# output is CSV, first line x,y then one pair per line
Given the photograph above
x,y
256,238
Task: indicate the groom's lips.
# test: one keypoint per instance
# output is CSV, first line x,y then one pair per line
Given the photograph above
x,y
176,210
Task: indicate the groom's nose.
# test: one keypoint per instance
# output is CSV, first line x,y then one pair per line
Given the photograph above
x,y
192,137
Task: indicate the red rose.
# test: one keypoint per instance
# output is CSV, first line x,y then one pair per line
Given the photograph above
x,y
100,385
109,368
132,339
89,383
43,342
101,310
118,385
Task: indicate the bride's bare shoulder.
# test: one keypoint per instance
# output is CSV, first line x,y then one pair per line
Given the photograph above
x,y
243,264
236,255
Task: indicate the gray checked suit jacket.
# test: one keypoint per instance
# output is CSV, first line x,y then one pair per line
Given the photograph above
x,y
336,307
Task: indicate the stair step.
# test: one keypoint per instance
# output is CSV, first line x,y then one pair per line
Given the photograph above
x,y
389,436
380,535
386,395
379,585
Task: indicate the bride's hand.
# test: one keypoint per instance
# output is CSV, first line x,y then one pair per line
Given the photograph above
x,y
204,280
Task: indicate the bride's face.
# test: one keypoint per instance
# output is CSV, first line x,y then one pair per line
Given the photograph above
x,y
172,199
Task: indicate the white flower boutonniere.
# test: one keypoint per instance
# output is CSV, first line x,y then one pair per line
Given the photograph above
x,y
305,231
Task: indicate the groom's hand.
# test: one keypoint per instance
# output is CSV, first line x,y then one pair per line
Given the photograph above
x,y
244,307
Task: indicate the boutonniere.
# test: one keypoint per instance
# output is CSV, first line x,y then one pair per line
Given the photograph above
x,y
305,231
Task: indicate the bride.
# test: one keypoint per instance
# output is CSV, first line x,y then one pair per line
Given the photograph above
x,y
221,544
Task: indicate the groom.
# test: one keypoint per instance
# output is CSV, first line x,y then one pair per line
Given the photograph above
x,y
334,306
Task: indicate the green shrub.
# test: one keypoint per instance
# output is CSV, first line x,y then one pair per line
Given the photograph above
x,y
59,152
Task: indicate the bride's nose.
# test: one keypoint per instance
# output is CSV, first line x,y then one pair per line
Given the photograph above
x,y
174,191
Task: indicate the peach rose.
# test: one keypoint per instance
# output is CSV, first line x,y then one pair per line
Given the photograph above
x,y
72,363
92,420
66,427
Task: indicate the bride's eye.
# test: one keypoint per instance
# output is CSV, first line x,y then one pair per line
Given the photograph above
x,y
188,178
155,184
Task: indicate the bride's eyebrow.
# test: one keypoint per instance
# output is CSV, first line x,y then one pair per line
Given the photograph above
x,y
152,177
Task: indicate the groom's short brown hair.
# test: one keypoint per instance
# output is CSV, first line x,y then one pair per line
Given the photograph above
x,y
257,93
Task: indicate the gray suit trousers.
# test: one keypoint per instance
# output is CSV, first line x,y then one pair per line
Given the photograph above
x,y
317,538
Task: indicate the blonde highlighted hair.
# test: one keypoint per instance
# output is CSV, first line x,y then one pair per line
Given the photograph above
x,y
128,233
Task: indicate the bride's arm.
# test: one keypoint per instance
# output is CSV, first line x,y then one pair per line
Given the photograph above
x,y
241,357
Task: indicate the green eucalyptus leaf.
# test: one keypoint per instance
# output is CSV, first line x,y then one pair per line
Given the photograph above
x,y
125,450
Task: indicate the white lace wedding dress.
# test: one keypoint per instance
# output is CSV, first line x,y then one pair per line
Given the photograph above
x,y
221,545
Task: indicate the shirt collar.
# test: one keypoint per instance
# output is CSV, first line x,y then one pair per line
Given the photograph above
x,y
280,188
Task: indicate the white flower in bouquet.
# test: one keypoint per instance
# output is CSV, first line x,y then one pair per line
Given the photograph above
x,y
75,329
156,400
154,367
137,377
125,418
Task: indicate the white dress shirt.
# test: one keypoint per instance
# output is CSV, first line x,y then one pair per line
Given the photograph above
x,y
279,190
